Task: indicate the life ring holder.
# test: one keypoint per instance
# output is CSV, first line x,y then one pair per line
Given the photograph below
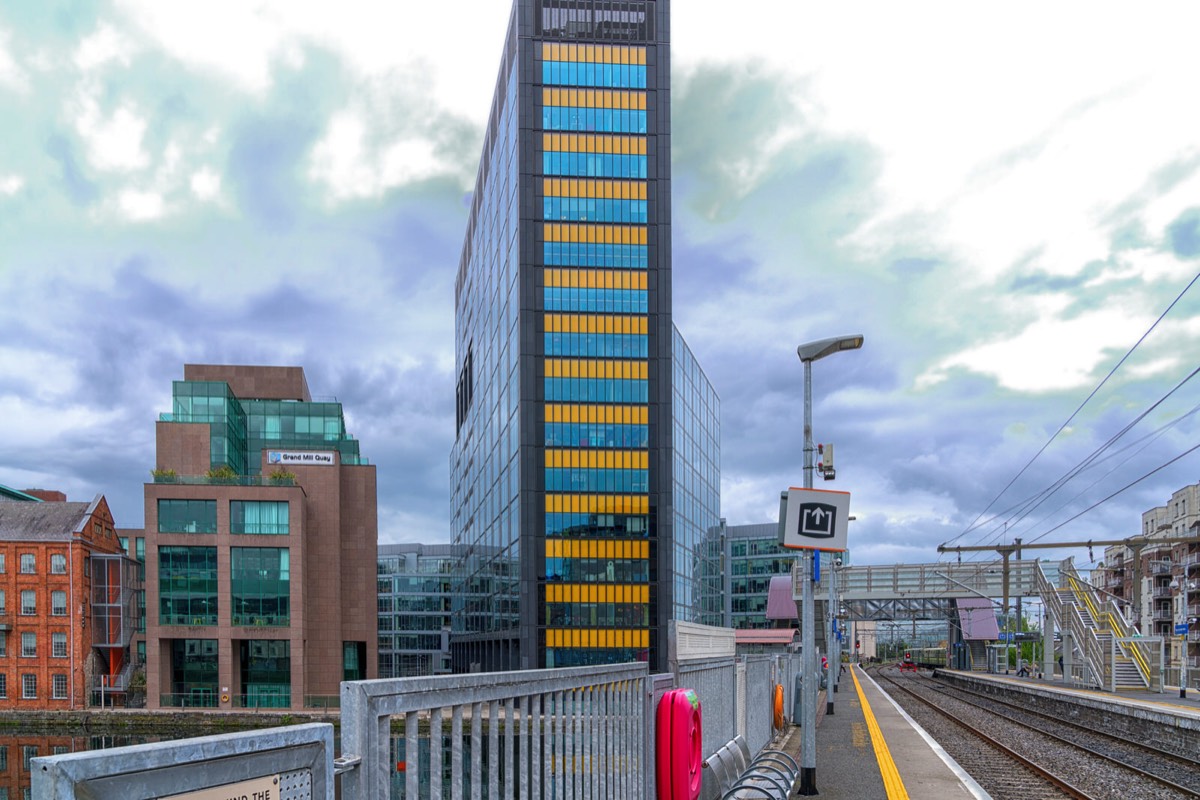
x,y
679,732
224,698
777,717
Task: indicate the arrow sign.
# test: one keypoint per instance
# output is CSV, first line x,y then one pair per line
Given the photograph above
x,y
815,519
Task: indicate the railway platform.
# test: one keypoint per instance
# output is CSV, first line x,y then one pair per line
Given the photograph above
x,y
871,750
1167,701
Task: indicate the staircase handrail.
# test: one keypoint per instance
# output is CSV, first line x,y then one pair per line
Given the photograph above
x,y
1068,619
1121,627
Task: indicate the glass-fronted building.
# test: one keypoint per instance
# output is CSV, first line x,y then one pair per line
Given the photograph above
x,y
582,418
415,591
260,538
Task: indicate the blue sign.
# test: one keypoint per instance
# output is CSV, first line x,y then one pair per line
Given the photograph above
x,y
1181,628
1007,636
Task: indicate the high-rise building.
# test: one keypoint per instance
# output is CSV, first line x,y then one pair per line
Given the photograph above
x,y
585,469
260,545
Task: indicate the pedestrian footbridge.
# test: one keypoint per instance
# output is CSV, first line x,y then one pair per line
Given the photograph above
x,y
1084,624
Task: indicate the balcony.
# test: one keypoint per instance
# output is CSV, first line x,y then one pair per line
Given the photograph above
x,y
239,480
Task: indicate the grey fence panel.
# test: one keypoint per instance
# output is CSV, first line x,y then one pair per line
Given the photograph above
x,y
760,701
293,762
513,742
715,684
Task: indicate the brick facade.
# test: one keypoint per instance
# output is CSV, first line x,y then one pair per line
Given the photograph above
x,y
45,550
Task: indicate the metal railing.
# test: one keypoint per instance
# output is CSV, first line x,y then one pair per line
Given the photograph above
x,y
557,733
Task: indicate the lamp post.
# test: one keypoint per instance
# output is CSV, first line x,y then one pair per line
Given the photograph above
x,y
808,353
1181,586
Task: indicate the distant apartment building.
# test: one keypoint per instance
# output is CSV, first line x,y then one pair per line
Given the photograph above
x,y
1157,577
67,603
260,545
414,603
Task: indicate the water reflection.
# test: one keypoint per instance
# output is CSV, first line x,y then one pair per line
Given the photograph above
x,y
18,746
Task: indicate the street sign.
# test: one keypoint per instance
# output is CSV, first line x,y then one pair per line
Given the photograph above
x,y
1181,628
815,519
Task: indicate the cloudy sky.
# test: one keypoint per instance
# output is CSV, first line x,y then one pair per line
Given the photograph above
x,y
1003,200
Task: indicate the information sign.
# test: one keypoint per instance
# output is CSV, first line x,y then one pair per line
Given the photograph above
x,y
1181,628
815,519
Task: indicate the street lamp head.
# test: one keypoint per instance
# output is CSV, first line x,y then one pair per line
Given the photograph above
x,y
812,351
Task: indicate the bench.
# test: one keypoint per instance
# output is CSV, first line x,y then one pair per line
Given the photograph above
x,y
731,773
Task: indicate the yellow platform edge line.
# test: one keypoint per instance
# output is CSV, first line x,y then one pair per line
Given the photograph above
x,y
887,767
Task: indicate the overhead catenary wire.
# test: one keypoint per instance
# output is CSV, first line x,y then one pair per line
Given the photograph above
x,y
1018,512
975,523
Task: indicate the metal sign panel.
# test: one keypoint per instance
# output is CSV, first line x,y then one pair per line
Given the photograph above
x,y
264,788
816,519
1181,628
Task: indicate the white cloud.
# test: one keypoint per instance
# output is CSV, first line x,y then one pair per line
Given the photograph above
x,y
141,206
240,41
355,168
114,143
1049,354
11,184
102,47
11,75
205,183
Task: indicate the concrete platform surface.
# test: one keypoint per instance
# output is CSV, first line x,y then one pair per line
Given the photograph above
x,y
870,749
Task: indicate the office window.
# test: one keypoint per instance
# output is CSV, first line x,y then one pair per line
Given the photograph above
x,y
28,602
262,517
28,563
58,645
58,687
29,644
3,606
2,565
58,604
58,564
187,516
3,646
29,692
3,748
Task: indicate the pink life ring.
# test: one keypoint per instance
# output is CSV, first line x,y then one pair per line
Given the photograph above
x,y
679,746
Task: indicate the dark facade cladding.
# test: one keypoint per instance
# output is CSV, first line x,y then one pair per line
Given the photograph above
x,y
563,468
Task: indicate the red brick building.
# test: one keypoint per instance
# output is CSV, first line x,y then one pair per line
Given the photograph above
x,y
66,603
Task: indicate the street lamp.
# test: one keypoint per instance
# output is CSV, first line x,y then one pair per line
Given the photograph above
x,y
808,353
1181,587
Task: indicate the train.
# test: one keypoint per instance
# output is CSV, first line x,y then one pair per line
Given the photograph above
x,y
925,657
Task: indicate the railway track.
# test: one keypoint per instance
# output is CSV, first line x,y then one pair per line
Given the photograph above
x,y
1020,761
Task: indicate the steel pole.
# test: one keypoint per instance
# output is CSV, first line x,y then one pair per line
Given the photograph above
x,y
832,646
808,739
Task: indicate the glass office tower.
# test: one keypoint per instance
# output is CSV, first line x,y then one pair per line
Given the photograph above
x,y
564,469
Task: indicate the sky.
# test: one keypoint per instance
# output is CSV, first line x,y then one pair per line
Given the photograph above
x,y
1002,199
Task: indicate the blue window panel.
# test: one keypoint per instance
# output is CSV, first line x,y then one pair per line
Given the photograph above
x,y
583,254
601,301
596,434
572,73
590,209
596,390
606,526
597,480
593,165
597,345
593,120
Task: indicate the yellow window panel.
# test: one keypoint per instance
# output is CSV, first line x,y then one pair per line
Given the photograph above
x,y
578,323
630,415
595,278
